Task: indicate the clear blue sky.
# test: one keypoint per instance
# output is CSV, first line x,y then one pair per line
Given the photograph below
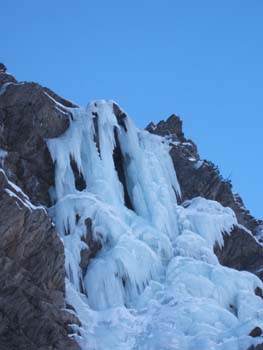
x,y
201,59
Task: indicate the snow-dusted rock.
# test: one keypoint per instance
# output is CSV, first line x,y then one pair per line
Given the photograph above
x,y
29,114
200,178
31,276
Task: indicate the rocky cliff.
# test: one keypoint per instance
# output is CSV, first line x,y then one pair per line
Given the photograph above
x,y
32,307
202,178
33,310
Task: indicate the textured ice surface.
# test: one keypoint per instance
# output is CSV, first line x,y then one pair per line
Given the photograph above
x,y
155,284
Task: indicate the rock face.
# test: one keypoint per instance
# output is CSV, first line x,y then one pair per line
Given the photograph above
x,y
32,276
202,178
256,332
29,114
241,251
5,77
2,68
93,246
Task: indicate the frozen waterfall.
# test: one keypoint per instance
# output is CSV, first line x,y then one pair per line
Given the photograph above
x,y
154,282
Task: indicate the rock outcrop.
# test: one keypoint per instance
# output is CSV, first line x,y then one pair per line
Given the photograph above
x,y
29,114
241,251
31,277
32,307
202,178
5,77
92,246
2,68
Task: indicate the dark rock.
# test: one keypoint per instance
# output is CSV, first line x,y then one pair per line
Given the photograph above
x,y
28,117
243,215
171,128
6,78
96,129
31,253
34,174
29,319
80,182
259,292
200,178
256,332
32,276
2,68
59,99
70,307
120,115
93,246
26,236
241,251
118,159
28,106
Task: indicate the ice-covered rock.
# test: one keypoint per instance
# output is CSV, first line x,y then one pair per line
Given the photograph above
x,y
154,280
143,249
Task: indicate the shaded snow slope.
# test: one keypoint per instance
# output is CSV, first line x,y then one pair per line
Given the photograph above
x,y
155,283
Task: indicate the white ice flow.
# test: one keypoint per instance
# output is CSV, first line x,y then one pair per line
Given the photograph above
x,y
156,283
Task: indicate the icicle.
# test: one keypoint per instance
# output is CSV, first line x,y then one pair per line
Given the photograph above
x,y
152,189
155,282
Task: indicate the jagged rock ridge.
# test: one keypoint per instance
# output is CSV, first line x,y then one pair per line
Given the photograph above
x,y
202,178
